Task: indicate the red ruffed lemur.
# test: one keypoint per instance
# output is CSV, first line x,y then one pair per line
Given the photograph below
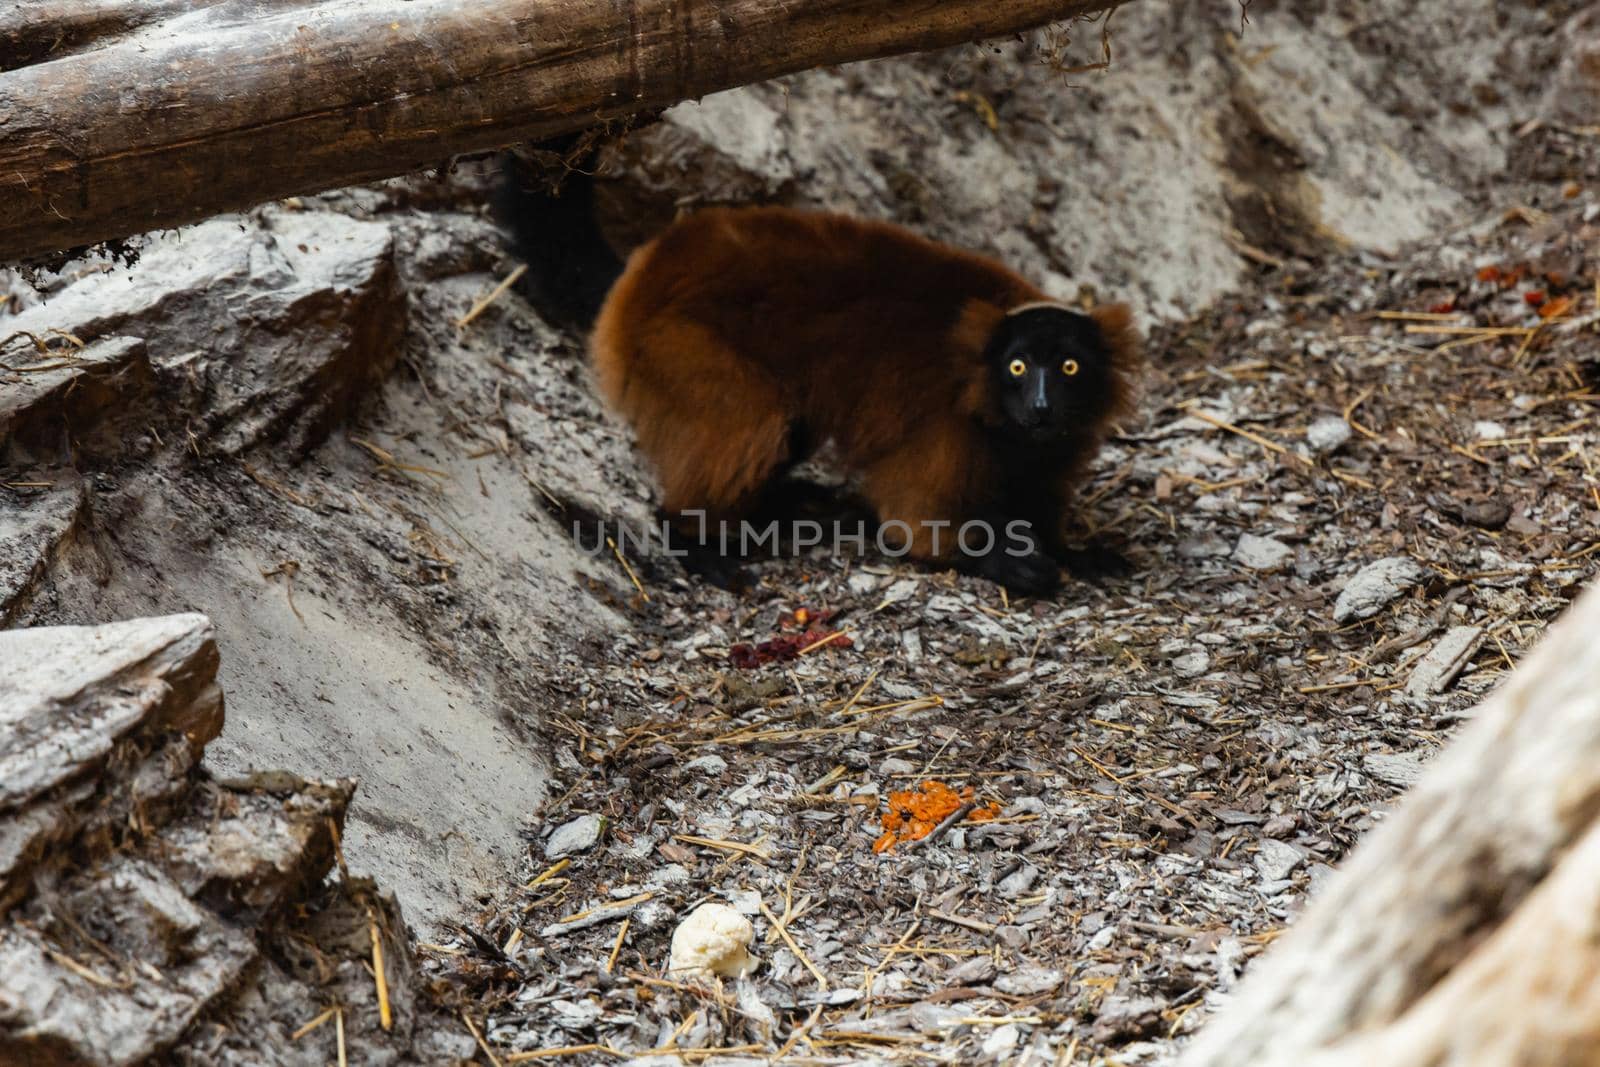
x,y
739,339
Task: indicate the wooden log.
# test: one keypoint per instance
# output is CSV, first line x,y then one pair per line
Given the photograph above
x,y
227,103
1466,928
32,31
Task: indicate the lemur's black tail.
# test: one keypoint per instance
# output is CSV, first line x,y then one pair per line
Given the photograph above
x,y
551,219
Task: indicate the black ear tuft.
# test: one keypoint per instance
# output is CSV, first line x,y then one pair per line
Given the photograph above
x,y
1122,340
1115,323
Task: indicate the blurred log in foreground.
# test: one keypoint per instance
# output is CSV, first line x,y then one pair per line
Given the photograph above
x,y
117,118
1466,929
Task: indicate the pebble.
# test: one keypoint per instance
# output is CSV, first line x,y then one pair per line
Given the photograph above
x,y
1026,806
1400,769
1487,514
900,590
1489,431
570,838
862,583
1013,937
1276,860
1002,1042
574,1014
1208,546
935,1018
653,913
671,874
1261,553
1327,433
707,765
1029,980
1191,664
1019,881
975,971
1120,1016
1375,586
1101,940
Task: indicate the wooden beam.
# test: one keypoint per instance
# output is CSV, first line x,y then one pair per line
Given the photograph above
x,y
131,123
1466,928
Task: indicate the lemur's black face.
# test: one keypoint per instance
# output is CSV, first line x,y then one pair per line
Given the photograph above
x,y
1051,372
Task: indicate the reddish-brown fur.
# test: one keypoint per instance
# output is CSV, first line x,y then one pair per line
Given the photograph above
x,y
735,324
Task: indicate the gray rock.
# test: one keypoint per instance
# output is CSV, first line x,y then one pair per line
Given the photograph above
x,y
935,1018
249,330
32,531
653,914
570,838
101,393
1485,430
1375,586
861,583
1029,980
712,766
1401,769
1261,553
1327,433
69,693
1276,860
140,909
974,971
1019,881
101,728
1122,1017
1002,1041
1208,546
671,874
1012,936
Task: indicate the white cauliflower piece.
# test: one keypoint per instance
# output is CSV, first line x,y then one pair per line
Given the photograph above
x,y
714,939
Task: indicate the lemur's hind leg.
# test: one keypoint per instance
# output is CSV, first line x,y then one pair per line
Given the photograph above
x,y
716,430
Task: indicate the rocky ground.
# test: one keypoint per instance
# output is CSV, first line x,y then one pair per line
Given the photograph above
x,y
1360,483
153,907
1354,497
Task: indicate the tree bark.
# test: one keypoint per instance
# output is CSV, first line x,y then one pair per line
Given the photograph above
x,y
1466,928
117,123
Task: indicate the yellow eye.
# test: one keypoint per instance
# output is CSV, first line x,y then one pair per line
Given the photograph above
x,y
1070,367
1017,368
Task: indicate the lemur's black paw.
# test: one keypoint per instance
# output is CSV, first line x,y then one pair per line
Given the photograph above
x,y
1094,563
714,568
1034,574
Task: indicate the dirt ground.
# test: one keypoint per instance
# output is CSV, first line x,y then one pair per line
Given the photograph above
x,y
1360,483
